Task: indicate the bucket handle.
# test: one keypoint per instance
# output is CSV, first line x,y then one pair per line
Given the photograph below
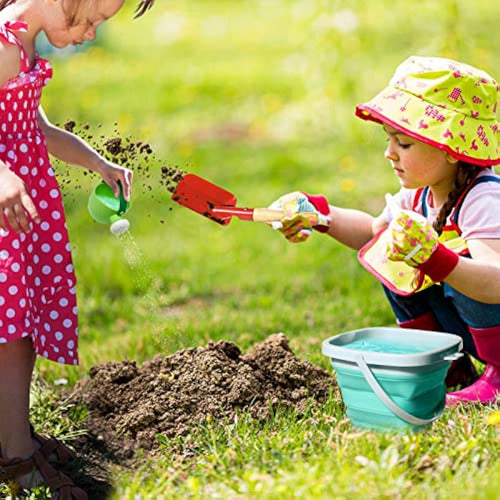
x,y
382,395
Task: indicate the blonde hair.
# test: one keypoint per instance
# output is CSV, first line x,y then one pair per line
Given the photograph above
x,y
142,7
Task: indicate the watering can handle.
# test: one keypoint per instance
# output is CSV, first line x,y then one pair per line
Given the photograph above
x,y
382,395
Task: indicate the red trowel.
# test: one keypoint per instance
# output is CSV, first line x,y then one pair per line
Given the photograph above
x,y
216,203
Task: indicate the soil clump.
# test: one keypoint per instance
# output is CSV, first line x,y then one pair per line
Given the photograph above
x,y
129,405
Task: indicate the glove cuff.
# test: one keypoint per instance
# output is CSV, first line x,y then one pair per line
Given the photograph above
x,y
440,264
321,205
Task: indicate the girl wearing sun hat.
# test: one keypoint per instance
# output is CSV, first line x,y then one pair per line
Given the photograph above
x,y
436,245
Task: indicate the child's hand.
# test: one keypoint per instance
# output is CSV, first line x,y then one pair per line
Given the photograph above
x,y
112,174
295,226
15,202
412,238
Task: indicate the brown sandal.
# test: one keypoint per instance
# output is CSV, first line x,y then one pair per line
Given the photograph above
x,y
50,447
58,483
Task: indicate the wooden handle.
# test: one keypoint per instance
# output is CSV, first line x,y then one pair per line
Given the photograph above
x,y
269,215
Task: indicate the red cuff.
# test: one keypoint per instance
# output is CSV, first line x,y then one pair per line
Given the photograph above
x,y
321,205
440,264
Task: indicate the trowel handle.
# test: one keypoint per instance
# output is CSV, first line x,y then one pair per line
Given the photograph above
x,y
267,215
253,214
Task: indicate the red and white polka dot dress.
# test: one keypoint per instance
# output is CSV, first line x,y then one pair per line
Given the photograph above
x,y
37,280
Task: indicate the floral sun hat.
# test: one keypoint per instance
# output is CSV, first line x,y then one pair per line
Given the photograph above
x,y
449,105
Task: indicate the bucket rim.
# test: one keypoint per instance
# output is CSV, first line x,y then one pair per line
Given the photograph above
x,y
448,344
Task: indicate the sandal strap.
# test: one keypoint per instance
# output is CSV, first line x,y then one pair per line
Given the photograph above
x,y
50,445
9,469
56,481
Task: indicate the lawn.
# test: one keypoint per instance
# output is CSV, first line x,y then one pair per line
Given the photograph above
x,y
257,97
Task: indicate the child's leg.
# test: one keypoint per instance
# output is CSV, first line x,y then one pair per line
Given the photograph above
x,y
430,310
17,360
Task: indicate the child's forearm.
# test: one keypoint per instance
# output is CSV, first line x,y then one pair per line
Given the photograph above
x,y
479,277
350,227
68,147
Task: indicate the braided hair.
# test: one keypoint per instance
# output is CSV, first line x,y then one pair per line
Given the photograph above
x,y
466,173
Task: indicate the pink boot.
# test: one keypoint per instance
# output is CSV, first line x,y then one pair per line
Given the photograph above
x,y
425,322
487,388
462,371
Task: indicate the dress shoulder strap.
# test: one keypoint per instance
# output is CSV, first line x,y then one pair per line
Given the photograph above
x,y
7,33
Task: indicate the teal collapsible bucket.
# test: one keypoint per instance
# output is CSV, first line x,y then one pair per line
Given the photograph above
x,y
392,378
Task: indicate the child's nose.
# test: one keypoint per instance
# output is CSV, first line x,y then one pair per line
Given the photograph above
x,y
90,35
390,155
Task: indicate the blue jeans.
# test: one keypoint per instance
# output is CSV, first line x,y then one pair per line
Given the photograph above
x,y
453,311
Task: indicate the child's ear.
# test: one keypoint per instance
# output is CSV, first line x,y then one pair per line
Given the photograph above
x,y
451,159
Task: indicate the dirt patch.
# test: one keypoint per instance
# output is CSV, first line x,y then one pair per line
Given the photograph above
x,y
130,405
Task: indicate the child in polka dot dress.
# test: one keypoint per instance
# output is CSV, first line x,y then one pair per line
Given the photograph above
x,y
38,314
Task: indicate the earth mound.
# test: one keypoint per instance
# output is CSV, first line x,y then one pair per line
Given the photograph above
x,y
130,404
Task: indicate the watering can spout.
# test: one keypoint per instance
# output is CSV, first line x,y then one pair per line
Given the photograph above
x,y
105,208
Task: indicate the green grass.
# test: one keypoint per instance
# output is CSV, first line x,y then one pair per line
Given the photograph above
x,y
289,80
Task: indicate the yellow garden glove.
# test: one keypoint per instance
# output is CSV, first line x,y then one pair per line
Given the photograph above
x,y
412,239
295,225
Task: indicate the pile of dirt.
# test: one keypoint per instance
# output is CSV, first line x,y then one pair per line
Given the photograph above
x,y
129,405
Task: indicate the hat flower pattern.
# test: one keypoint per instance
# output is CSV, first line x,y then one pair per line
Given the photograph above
x,y
445,103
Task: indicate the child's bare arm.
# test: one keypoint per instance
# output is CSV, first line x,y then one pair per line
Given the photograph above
x,y
71,149
479,277
351,227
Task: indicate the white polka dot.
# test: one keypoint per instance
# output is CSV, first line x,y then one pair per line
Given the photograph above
x,y
3,340
4,254
57,236
46,248
43,204
22,302
46,270
10,313
54,193
46,327
58,258
60,359
54,314
13,290
15,244
45,226
59,336
2,300
3,277
67,323
15,267
11,329
23,147
71,344
56,215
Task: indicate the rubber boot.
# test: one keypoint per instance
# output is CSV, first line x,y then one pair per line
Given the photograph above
x,y
487,388
462,371
425,322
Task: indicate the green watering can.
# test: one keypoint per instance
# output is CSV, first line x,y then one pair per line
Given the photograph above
x,y
105,208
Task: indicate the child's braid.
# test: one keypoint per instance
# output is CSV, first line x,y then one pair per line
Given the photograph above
x,y
466,173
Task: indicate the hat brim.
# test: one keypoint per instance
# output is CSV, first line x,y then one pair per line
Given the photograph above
x,y
438,126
